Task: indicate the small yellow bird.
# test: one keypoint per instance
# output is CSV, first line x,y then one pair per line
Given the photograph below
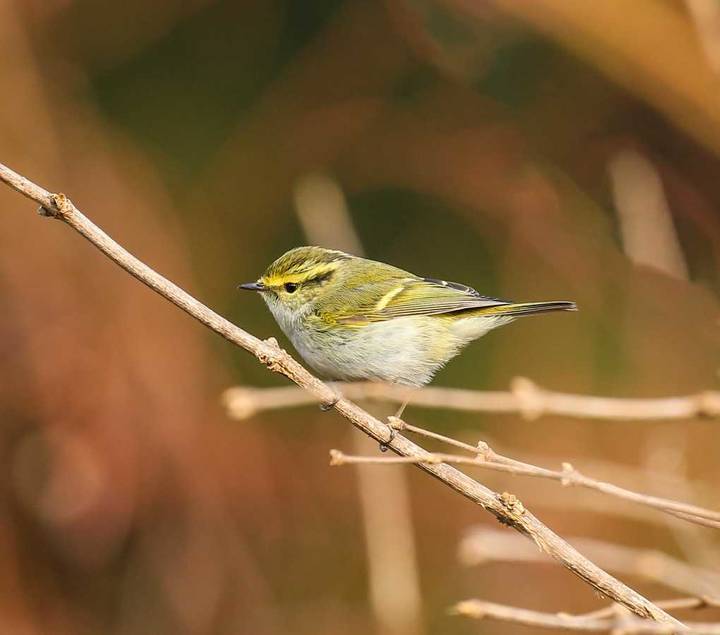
x,y
356,319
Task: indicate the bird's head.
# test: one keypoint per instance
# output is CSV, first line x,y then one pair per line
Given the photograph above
x,y
296,280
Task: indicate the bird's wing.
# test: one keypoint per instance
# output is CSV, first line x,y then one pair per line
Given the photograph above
x,y
408,296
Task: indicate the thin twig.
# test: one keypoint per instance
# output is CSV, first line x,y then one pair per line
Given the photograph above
x,y
616,624
488,459
244,402
524,397
677,488
507,510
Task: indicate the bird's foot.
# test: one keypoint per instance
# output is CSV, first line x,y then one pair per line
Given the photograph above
x,y
394,424
324,407
329,405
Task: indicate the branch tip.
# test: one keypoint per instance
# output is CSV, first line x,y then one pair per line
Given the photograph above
x,y
239,402
708,404
468,608
337,458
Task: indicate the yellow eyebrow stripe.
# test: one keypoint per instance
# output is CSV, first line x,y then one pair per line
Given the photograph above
x,y
279,281
300,276
385,300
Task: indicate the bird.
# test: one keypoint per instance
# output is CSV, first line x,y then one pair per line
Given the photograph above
x,y
352,318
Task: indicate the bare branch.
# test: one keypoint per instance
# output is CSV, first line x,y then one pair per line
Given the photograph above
x,y
489,610
617,624
658,476
524,397
488,459
507,510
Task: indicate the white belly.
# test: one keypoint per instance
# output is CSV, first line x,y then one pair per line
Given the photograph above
x,y
407,350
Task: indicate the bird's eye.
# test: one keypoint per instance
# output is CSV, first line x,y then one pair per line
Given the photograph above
x,y
290,287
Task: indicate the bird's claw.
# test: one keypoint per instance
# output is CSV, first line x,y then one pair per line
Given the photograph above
x,y
324,407
385,445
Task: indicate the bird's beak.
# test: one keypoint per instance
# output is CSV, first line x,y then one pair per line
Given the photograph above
x,y
252,286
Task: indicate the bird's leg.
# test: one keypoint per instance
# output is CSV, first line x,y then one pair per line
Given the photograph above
x,y
402,407
392,423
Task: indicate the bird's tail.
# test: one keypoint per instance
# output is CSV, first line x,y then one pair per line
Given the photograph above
x,y
528,308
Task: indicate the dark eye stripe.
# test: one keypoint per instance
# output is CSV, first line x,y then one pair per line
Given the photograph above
x,y
292,287
319,279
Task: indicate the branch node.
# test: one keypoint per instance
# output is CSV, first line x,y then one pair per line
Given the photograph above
x,y
530,398
512,504
483,450
272,355
396,423
570,474
61,209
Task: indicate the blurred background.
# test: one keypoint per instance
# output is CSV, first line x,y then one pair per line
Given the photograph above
x,y
535,150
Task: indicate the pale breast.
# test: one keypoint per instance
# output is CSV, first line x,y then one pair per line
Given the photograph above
x,y
404,350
